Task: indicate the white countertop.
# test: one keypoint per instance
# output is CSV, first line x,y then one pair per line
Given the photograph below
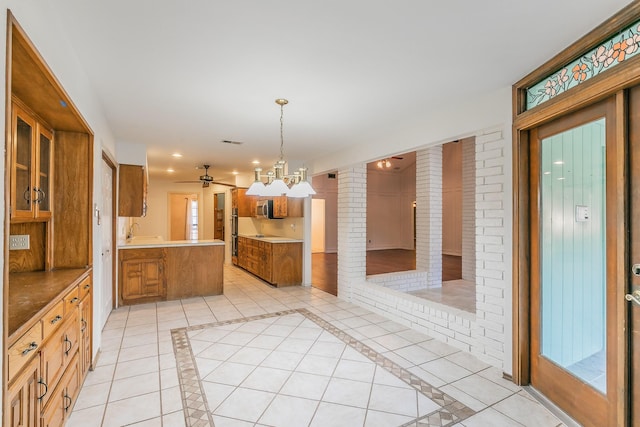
x,y
154,242
271,239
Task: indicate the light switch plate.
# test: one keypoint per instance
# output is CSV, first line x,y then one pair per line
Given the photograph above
x,y
18,242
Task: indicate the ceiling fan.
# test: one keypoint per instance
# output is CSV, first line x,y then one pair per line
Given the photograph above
x,y
205,179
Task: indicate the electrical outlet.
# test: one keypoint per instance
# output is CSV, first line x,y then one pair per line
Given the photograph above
x,y
18,242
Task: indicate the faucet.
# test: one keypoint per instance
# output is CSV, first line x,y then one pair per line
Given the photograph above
x,y
130,235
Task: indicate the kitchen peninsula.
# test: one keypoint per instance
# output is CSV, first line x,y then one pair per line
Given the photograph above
x,y
276,260
151,269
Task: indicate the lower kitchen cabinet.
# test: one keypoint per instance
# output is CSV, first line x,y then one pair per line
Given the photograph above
x,y
23,403
49,361
142,277
277,263
59,406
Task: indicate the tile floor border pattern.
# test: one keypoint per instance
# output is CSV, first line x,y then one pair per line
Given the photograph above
x,y
197,413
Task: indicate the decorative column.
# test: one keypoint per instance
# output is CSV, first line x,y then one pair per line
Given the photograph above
x,y
352,228
429,214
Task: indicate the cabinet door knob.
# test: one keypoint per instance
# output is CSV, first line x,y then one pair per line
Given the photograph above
x,y
29,349
56,319
74,300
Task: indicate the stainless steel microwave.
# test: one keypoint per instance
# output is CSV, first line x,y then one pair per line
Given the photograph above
x,y
264,209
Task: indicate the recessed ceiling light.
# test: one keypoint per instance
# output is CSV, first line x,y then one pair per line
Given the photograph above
x,y
176,155
547,173
235,172
170,170
256,162
558,162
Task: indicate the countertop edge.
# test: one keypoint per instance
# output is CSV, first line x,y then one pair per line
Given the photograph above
x,y
174,243
268,239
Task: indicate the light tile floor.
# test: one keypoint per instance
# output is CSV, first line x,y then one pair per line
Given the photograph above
x,y
249,377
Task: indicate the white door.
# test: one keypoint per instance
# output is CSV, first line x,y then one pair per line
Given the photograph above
x,y
106,225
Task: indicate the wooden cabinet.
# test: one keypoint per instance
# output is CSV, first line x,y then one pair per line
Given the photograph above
x,y
142,277
246,205
132,191
55,356
86,322
23,403
58,408
44,363
31,167
285,207
277,263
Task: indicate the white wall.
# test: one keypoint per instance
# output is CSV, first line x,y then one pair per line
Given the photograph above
x,y
390,197
39,22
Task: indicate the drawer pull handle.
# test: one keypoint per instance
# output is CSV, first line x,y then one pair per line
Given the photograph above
x,y
66,407
87,286
56,319
66,340
46,389
74,300
29,349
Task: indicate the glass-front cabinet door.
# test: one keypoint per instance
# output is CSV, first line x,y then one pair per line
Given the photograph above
x,y
31,167
43,190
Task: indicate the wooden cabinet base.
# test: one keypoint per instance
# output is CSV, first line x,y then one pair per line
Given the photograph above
x,y
280,264
170,273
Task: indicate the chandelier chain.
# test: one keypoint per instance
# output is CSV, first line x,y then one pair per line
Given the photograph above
x,y
281,132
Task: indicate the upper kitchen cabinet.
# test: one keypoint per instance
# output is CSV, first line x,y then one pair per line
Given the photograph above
x,y
246,205
287,207
132,190
31,167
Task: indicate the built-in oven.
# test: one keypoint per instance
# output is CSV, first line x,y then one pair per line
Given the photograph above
x,y
234,235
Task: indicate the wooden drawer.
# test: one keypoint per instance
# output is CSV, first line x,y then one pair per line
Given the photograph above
x,y
52,320
24,349
85,287
71,300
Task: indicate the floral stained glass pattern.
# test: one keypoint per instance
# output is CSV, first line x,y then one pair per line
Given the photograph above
x,y
617,49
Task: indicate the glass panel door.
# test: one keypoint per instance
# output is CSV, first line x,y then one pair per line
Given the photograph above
x,y
23,152
44,173
573,252
576,205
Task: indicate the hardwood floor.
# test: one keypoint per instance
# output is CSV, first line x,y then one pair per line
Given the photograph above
x,y
324,272
324,266
451,267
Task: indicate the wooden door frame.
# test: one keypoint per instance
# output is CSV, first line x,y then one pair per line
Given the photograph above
x,y
114,217
611,83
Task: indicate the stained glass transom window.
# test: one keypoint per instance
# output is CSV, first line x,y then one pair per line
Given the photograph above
x,y
607,55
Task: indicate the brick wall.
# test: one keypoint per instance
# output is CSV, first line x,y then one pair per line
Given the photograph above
x,y
429,214
490,246
352,228
482,334
469,209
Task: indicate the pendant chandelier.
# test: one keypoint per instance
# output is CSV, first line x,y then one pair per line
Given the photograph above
x,y
279,184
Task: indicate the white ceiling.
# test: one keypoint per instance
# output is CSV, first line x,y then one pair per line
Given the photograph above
x,y
180,76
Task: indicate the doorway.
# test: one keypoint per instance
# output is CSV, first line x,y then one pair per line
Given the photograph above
x,y
106,220
574,207
183,216
218,216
